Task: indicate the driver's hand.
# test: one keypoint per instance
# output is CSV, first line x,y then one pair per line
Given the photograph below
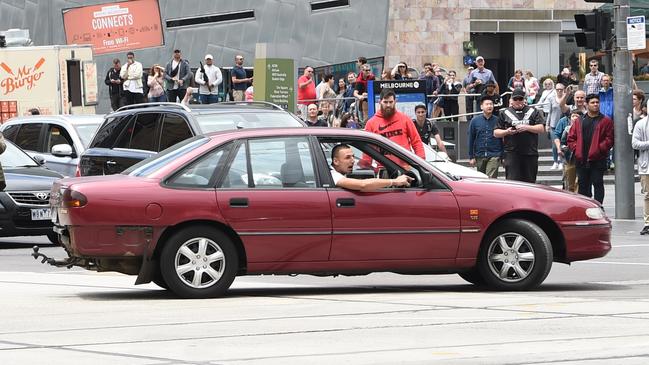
x,y
403,180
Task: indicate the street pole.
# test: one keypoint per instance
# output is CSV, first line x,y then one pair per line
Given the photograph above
x,y
622,90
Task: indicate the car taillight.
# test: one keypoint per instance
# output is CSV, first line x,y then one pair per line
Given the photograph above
x,y
74,199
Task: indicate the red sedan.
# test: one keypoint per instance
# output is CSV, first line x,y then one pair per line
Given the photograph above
x,y
263,201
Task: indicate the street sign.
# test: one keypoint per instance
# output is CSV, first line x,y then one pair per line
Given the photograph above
x,y
635,33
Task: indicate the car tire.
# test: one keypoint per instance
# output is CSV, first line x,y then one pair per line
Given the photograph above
x,y
54,238
516,255
199,262
473,276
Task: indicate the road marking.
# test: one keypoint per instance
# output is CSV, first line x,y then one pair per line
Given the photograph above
x,y
630,246
616,263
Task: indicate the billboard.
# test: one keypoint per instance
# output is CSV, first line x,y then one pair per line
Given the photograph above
x,y
115,27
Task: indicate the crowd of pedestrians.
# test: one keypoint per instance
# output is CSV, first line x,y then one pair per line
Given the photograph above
x,y
129,83
577,119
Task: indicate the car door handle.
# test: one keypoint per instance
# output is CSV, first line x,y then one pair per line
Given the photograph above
x,y
110,162
239,202
345,202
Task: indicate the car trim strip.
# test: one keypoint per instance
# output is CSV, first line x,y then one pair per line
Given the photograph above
x,y
432,231
584,224
312,233
470,230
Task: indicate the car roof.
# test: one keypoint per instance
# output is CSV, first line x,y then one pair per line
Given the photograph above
x,y
70,119
197,109
293,131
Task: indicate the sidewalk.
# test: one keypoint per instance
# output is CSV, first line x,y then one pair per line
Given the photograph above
x,y
609,202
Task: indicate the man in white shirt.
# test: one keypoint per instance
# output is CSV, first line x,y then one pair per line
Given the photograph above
x,y
209,78
132,76
342,162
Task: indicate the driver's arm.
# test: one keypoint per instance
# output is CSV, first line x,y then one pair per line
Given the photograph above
x,y
366,185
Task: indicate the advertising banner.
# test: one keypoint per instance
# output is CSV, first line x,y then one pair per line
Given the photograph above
x,y
115,27
410,93
90,83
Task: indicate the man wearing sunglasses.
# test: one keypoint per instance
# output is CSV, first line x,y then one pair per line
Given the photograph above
x,y
593,79
519,126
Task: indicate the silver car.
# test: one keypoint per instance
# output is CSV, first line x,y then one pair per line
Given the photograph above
x,y
57,140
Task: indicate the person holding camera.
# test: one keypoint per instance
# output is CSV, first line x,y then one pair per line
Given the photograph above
x,y
156,84
132,76
114,82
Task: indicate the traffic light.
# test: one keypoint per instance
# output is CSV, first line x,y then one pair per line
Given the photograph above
x,y
596,29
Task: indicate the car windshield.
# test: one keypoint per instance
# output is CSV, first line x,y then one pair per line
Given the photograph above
x,y
432,155
215,122
15,157
154,163
86,132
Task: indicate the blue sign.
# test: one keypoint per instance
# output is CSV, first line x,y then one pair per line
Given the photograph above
x,y
410,93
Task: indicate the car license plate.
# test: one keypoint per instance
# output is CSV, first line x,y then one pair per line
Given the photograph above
x,y
41,214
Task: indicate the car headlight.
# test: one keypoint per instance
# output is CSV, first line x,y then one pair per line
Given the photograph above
x,y
595,213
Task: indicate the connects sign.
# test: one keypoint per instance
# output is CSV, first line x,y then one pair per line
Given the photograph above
x,y
22,77
111,17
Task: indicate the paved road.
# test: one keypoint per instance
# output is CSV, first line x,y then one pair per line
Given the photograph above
x,y
594,312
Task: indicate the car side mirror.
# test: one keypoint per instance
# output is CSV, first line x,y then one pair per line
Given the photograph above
x,y
62,150
427,180
39,159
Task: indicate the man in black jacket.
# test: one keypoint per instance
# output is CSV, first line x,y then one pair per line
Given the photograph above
x,y
114,82
519,126
178,75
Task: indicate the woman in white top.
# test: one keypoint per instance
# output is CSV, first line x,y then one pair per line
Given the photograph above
x,y
531,86
553,118
544,100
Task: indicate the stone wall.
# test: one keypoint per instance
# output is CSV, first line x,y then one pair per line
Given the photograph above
x,y
433,30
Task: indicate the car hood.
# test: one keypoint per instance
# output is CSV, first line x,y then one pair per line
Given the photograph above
x,y
512,185
456,169
30,178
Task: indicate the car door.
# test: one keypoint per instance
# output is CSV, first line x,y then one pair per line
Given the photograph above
x,y
56,134
270,195
393,223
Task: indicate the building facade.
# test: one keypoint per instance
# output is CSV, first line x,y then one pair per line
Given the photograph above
x,y
527,34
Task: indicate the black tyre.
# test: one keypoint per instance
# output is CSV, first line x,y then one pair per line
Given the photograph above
x,y
517,255
54,238
473,276
198,262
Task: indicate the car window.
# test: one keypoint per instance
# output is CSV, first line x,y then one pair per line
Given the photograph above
x,y
174,130
382,162
144,131
57,135
14,157
113,130
237,174
199,173
85,132
155,162
275,163
11,131
28,136
228,121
